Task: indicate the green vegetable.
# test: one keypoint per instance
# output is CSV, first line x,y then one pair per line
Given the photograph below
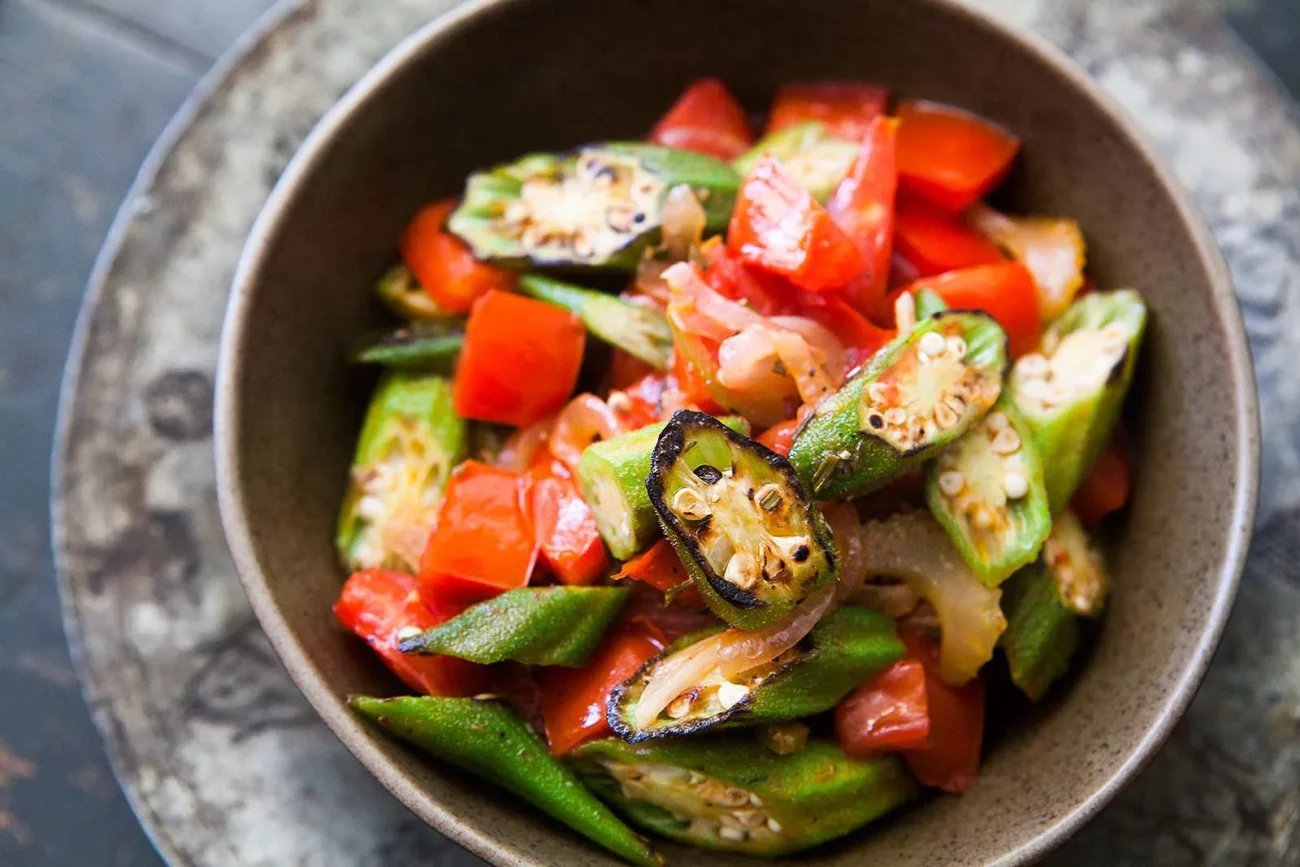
x,y
848,646
426,346
488,739
612,475
534,625
640,332
987,491
732,794
1043,603
401,293
752,541
915,396
409,443
817,159
928,302
598,207
1071,390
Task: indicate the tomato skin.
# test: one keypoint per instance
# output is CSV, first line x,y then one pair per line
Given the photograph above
x,y
847,108
661,568
706,119
887,713
563,527
863,206
444,265
520,360
692,382
483,543
948,156
779,227
780,437
1006,292
951,758
932,242
573,700
1105,489
378,605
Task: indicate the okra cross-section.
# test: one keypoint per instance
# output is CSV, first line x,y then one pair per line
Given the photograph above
x,y
1072,389
914,397
753,542
599,207
987,491
730,793
843,650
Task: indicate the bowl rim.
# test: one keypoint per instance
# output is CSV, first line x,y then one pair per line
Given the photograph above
x,y
333,709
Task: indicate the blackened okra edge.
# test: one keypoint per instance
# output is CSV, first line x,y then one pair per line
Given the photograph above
x,y
751,539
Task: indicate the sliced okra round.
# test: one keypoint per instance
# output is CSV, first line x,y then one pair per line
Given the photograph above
x,y
427,346
1072,389
753,542
598,207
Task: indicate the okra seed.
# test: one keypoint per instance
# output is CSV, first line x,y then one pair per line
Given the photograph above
x,y
695,778
957,346
932,343
688,503
582,245
878,392
755,800
681,706
734,835
769,496
1006,441
1015,485
774,826
951,483
1034,389
751,818
1032,365
619,218
982,518
731,694
741,572
996,421
895,416
944,416
734,797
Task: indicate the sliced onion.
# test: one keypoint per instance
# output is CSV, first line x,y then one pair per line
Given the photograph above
x,y
1051,248
690,290
649,287
802,364
912,546
826,347
521,446
682,222
851,543
674,676
742,651
748,362
584,420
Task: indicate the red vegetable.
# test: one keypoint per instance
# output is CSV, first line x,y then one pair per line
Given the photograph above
x,y
780,437
482,544
574,699
1106,487
932,242
442,263
845,107
690,380
887,713
706,119
378,605
863,206
948,156
661,568
520,360
951,758
1006,292
778,226
563,526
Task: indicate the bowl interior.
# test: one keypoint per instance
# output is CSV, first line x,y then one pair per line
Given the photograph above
x,y
520,75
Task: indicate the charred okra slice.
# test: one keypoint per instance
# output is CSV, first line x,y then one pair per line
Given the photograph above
x,y
752,541
612,475
917,395
987,491
533,625
491,741
815,158
732,794
843,650
639,332
598,207
401,293
426,346
409,443
1043,603
1072,389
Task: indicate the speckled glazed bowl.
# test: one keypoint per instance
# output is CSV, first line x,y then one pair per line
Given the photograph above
x,y
503,77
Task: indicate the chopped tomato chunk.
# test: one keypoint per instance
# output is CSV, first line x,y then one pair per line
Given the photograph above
x,y
1006,292
887,713
444,265
1106,487
863,206
932,242
847,108
706,119
951,757
661,568
563,526
948,156
779,438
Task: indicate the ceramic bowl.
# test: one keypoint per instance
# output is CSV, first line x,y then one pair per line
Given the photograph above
x,y
496,79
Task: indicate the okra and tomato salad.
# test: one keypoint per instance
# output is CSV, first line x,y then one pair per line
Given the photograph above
x,y
706,475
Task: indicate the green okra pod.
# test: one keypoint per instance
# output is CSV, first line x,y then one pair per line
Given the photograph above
x,y
730,793
490,740
752,541
1072,389
928,302
639,332
817,159
913,398
400,292
598,207
432,347
533,625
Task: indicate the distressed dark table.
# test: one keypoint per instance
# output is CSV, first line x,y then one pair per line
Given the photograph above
x,y
85,86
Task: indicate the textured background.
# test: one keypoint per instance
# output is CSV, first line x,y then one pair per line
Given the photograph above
x,y
220,754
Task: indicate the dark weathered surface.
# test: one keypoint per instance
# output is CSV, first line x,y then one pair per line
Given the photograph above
x,y
222,757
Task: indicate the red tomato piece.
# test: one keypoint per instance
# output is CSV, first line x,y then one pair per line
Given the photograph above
x,y
706,119
847,108
482,544
887,713
778,226
950,157
661,568
951,758
932,242
520,360
642,402
780,437
574,699
1006,292
1106,487
444,265
863,206
378,605
691,382
564,527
